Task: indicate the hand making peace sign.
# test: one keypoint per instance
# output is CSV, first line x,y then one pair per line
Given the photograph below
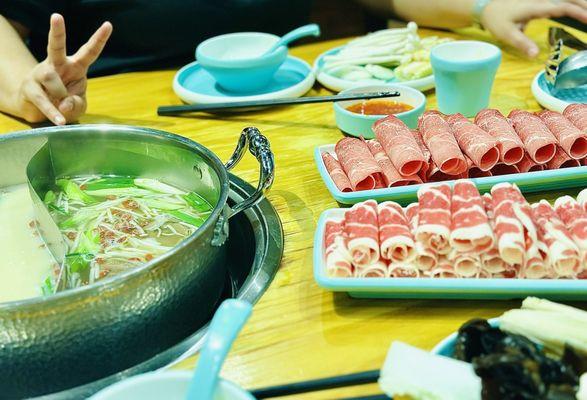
x,y
56,87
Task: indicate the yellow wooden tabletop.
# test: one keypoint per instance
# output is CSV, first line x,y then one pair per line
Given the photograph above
x,y
299,331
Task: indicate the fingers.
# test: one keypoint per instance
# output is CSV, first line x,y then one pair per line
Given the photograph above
x,y
36,95
580,3
90,51
511,34
73,107
51,81
56,50
575,9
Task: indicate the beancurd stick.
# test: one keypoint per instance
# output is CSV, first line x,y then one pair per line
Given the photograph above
x,y
553,330
534,303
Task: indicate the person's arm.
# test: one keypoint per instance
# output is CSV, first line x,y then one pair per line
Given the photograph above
x,y
505,19
439,13
53,89
16,62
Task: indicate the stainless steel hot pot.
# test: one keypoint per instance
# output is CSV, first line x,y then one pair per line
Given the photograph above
x,y
77,336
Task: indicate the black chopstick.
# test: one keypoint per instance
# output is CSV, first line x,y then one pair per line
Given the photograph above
x,y
187,108
333,382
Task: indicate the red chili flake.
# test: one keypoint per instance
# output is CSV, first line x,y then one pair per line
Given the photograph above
x,y
105,235
149,257
31,224
121,239
103,273
134,259
83,187
99,260
130,204
71,235
111,197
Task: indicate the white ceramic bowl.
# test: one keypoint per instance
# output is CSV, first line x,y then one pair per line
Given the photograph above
x,y
168,385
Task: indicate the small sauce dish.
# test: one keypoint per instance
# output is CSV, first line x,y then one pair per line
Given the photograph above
x,y
238,62
359,124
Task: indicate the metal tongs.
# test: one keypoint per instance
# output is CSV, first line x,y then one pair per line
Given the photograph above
x,y
569,72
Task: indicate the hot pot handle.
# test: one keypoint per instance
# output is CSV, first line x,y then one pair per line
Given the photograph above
x,y
259,146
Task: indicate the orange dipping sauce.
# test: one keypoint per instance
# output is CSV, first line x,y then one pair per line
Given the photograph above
x,y
379,107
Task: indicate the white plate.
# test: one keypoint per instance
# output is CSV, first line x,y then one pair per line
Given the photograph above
x,y
192,84
338,85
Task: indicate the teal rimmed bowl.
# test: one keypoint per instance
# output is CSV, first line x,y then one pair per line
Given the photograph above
x,y
238,62
360,125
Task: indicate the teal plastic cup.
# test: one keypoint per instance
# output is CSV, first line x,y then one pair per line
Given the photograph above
x,y
464,71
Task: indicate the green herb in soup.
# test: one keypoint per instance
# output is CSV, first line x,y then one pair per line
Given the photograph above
x,y
112,224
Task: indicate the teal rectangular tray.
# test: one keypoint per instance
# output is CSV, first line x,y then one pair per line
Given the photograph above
x,y
439,288
529,182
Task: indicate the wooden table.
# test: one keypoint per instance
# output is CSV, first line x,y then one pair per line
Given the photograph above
x,y
299,331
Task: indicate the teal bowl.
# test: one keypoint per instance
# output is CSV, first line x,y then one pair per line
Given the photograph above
x,y
360,125
237,61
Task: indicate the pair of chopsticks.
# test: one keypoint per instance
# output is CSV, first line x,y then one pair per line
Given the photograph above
x,y
333,382
188,108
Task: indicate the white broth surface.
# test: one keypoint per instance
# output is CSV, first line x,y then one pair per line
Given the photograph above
x,y
26,262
